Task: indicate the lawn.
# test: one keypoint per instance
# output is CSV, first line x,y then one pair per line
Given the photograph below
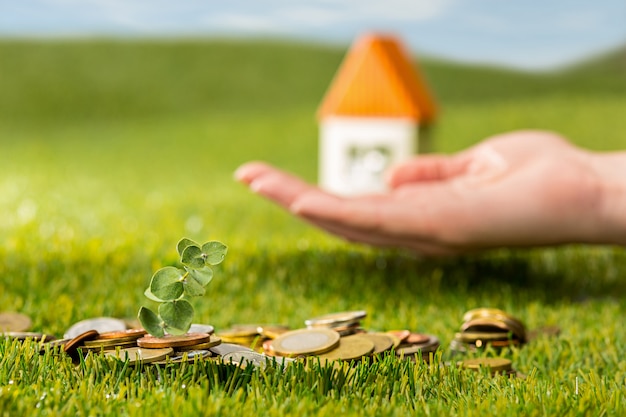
x,y
111,151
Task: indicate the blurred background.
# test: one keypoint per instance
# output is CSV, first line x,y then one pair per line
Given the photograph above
x,y
122,121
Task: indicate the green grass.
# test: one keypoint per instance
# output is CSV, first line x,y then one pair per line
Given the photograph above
x,y
110,151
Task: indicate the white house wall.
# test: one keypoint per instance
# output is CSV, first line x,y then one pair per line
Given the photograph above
x,y
355,152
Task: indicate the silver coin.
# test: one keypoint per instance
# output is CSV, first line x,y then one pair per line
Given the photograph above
x,y
336,319
201,328
256,359
100,324
226,348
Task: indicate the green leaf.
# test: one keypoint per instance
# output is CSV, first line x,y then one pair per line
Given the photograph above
x,y
151,322
214,252
202,275
167,283
151,296
183,243
177,316
192,288
193,257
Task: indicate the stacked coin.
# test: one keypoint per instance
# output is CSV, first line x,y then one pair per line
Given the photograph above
x,y
344,323
187,347
417,346
484,327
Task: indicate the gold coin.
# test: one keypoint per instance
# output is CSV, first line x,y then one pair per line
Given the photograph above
x,y
305,342
172,341
350,348
490,312
494,313
214,341
494,364
124,334
272,331
110,342
335,318
14,322
382,342
137,354
100,347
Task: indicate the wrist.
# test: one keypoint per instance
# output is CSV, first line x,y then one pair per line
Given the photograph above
x,y
610,171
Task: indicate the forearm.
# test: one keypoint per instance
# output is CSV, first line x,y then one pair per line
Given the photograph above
x,y
610,169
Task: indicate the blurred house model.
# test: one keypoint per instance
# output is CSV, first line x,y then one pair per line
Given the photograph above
x,y
371,116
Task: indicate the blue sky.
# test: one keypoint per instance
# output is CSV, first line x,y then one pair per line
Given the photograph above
x,y
531,34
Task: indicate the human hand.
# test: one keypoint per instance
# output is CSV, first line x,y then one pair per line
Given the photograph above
x,y
526,188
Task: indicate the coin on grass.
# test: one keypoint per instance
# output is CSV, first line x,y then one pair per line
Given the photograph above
x,y
136,354
335,318
100,324
382,342
305,342
71,347
188,339
225,348
245,358
494,364
400,334
14,322
350,348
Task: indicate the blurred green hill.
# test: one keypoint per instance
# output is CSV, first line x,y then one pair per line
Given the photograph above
x,y
65,81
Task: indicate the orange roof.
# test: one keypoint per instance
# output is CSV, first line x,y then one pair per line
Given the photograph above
x,y
377,78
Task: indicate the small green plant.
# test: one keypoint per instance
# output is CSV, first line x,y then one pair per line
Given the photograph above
x,y
173,287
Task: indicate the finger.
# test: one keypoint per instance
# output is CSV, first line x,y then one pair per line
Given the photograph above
x,y
383,241
427,168
249,171
274,184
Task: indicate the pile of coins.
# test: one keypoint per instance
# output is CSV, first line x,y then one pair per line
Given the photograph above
x,y
337,336
484,327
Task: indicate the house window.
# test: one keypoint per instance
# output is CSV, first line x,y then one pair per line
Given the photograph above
x,y
367,163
